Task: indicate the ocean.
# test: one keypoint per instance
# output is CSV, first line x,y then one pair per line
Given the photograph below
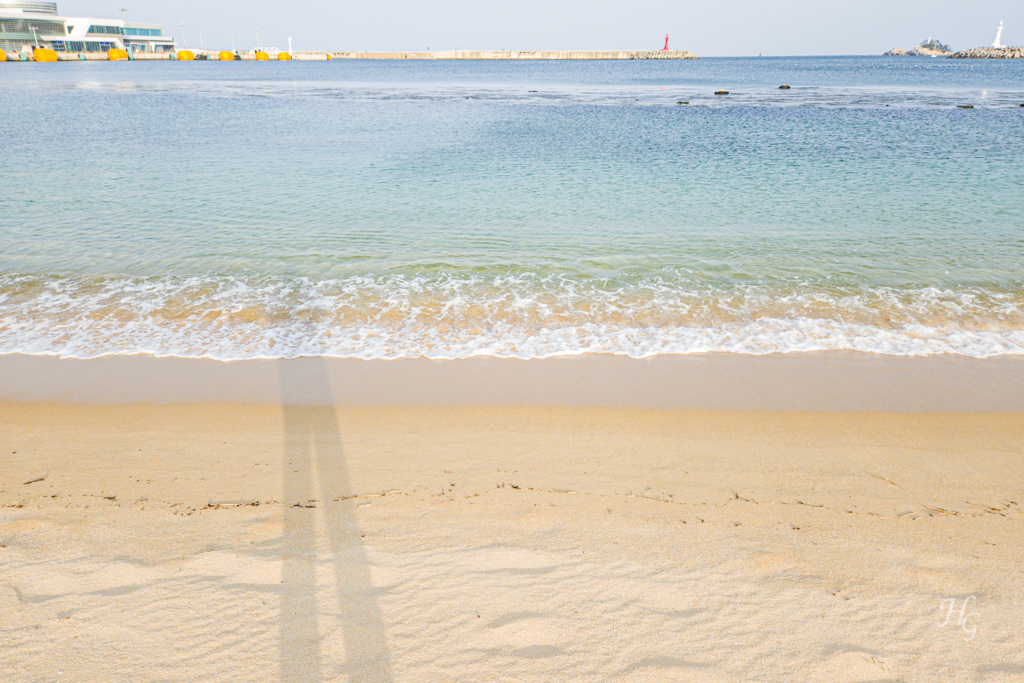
x,y
388,209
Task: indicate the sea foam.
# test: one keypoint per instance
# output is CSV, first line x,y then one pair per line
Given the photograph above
x,y
517,316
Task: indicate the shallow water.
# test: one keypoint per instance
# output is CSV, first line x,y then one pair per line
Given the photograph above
x,y
451,209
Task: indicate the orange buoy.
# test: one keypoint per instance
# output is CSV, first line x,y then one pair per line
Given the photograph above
x,y
185,56
44,54
330,56
262,56
116,54
226,56
284,57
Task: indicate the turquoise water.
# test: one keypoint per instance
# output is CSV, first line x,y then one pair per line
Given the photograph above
x,y
396,209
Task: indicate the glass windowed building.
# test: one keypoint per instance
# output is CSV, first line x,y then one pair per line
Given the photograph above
x,y
25,24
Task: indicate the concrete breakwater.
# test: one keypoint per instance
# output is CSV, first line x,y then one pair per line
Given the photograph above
x,y
212,55
520,55
990,53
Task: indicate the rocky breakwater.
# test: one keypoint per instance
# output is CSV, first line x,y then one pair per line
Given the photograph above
x,y
990,53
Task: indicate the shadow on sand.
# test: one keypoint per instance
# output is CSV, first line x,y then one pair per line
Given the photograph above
x,y
316,490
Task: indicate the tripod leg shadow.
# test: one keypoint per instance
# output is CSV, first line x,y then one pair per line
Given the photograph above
x,y
317,495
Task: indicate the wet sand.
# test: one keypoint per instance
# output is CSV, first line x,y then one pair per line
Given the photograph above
x,y
274,538
835,381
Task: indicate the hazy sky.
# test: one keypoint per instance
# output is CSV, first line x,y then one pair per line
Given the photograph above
x,y
711,28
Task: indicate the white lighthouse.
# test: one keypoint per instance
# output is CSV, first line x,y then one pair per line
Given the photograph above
x,y
999,35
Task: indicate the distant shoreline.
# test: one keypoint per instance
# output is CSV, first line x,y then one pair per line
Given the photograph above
x,y
468,55
539,55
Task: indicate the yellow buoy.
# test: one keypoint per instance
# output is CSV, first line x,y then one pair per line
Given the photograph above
x,y
261,56
44,54
3,56
226,56
185,56
116,54
284,57
330,56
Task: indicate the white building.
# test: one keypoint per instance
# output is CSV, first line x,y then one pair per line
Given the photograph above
x,y
25,24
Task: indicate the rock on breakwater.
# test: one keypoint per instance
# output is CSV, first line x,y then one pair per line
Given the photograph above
x,y
990,53
921,51
928,48
918,51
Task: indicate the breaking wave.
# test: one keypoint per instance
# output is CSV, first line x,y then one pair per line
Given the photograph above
x,y
518,315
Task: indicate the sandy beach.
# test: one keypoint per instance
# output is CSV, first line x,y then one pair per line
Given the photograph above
x,y
267,540
509,368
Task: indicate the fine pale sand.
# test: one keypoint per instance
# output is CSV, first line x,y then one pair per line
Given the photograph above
x,y
226,542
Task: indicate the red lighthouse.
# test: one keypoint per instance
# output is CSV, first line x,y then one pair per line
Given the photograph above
x,y
665,49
